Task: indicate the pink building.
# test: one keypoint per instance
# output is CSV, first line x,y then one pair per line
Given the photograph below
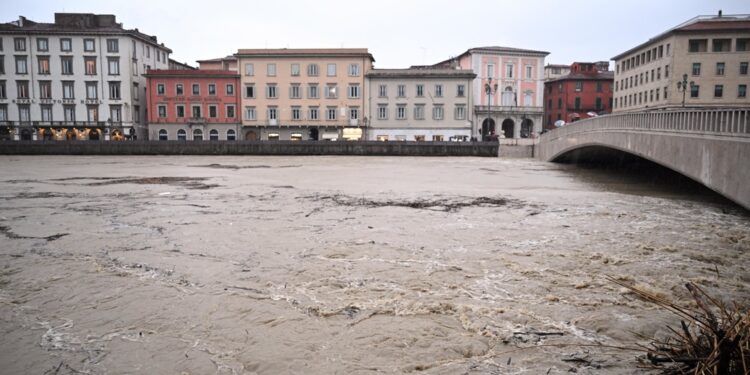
x,y
508,90
195,105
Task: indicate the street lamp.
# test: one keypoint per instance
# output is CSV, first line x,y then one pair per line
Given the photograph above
x,y
489,89
683,85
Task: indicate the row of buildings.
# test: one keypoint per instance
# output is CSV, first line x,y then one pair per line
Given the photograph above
x,y
87,77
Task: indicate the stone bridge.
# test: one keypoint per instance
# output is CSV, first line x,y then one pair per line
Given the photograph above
x,y
711,146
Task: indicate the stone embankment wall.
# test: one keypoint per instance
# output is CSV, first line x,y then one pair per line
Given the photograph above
x,y
489,149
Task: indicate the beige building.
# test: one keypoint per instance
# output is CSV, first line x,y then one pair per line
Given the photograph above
x,y
303,94
419,104
702,62
221,63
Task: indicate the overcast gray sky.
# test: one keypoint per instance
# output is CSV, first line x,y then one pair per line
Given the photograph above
x,y
398,33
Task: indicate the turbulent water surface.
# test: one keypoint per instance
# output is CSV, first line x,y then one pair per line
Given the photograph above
x,y
345,265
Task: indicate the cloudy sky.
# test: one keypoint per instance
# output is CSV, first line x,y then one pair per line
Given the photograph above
x,y
398,33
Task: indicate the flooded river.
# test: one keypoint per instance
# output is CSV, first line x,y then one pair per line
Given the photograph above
x,y
346,265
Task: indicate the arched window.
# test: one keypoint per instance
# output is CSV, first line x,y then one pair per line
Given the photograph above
x,y
528,98
213,135
197,135
181,135
163,135
231,135
509,97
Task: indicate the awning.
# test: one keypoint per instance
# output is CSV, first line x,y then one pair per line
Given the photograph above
x,y
330,136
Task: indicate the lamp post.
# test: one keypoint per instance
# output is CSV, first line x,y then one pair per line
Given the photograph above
x,y
683,85
489,89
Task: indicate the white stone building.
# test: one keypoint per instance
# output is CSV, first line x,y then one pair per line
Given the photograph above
x,y
79,78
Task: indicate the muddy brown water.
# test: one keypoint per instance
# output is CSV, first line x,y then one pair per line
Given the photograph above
x,y
345,265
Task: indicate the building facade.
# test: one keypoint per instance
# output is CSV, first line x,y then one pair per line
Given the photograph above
x,y
303,94
702,62
79,78
419,104
193,105
221,63
508,90
552,71
585,92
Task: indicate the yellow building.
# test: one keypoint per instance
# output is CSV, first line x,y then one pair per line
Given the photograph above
x,y
303,94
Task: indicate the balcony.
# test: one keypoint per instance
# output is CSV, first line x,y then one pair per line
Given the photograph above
x,y
478,109
353,122
273,122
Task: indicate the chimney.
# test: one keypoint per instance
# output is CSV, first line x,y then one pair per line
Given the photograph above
x,y
719,13
21,20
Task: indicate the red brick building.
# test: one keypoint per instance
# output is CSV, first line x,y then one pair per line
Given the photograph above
x,y
193,105
586,90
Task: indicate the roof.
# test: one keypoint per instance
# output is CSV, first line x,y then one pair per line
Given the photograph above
x,y
698,24
191,73
420,72
218,59
496,50
557,66
77,23
601,76
305,52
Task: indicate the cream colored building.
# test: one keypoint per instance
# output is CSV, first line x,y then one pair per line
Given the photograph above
x,y
303,94
711,55
419,104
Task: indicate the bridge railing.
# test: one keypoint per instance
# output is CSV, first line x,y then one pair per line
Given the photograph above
x,y
733,122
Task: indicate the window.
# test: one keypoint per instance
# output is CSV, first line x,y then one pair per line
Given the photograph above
x,y
420,91
88,45
529,70
295,70
3,112
231,135
460,112
332,91
353,91
559,102
401,112
599,87
250,113
24,112
438,91
577,103
196,111
46,113
313,113
743,68
695,45
383,91
721,45
114,90
509,71
91,91
419,112
720,69
666,71
312,70
19,44
179,89
113,45
45,89
401,91
579,86
382,112
460,90
331,113
271,70
271,91
69,113
331,70
160,89
21,67
694,91
181,135
599,101
296,113
741,44
66,63
43,64
353,70
230,89
212,89
658,73
22,89
42,44
114,65
213,135
272,113
68,90
295,92
490,70
742,91
196,89
90,63
2,63
250,91
354,113
162,109
66,45
163,135
549,103
313,92
179,111
437,112
197,135
249,71
213,111
718,91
